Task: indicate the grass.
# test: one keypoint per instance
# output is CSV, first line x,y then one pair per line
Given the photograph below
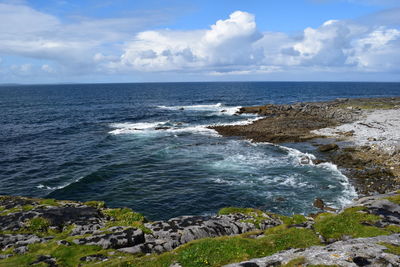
x,y
351,222
65,255
224,250
369,105
37,224
49,202
394,199
4,211
126,217
95,204
391,248
233,210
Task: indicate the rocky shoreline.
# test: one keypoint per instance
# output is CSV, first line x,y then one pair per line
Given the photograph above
x,y
49,232
371,167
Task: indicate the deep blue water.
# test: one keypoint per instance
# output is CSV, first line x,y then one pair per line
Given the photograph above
x,y
133,145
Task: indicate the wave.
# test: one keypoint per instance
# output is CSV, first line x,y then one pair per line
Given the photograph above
x,y
53,188
298,156
159,128
240,122
218,109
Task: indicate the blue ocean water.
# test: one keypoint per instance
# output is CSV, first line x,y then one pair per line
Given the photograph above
x,y
146,146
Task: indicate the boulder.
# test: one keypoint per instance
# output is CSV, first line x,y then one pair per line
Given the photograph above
x,y
328,147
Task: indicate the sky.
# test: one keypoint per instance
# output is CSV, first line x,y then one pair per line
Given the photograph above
x,y
101,41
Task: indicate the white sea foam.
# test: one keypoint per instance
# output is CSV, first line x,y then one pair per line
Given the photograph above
x,y
218,109
159,128
298,156
41,186
348,191
241,122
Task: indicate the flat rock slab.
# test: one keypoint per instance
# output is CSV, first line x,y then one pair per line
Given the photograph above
x,y
354,252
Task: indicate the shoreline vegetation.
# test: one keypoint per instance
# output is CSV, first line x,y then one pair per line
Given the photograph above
x,y
359,135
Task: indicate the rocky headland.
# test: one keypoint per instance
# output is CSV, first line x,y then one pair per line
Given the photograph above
x,y
359,135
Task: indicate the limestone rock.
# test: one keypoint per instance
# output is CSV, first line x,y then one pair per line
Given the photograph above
x,y
353,252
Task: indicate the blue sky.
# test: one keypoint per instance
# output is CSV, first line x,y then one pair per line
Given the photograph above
x,y
45,41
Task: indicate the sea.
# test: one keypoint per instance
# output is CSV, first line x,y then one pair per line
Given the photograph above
x,y
146,146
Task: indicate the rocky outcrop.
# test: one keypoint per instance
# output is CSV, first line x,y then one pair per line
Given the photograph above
x,y
118,232
167,235
91,226
355,252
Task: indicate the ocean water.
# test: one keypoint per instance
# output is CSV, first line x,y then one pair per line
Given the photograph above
x,y
147,146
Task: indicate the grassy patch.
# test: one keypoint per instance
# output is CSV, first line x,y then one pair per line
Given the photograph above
x,y
233,210
37,224
370,105
65,255
391,248
295,219
4,211
126,217
49,202
257,215
351,222
95,204
393,228
394,199
295,262
224,250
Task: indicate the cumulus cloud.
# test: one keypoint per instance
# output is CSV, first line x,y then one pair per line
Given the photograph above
x,y
228,42
377,51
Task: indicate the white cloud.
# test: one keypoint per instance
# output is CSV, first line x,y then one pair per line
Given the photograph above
x,y
29,33
377,51
47,68
228,42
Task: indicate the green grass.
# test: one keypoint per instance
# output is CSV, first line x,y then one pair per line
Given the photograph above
x,y
126,217
49,202
391,248
394,199
95,204
351,222
224,250
65,255
233,210
4,211
369,105
295,219
37,224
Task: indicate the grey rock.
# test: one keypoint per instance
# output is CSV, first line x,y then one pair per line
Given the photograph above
x,y
50,261
5,256
63,243
94,257
126,238
167,235
134,250
389,212
21,250
354,252
8,240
